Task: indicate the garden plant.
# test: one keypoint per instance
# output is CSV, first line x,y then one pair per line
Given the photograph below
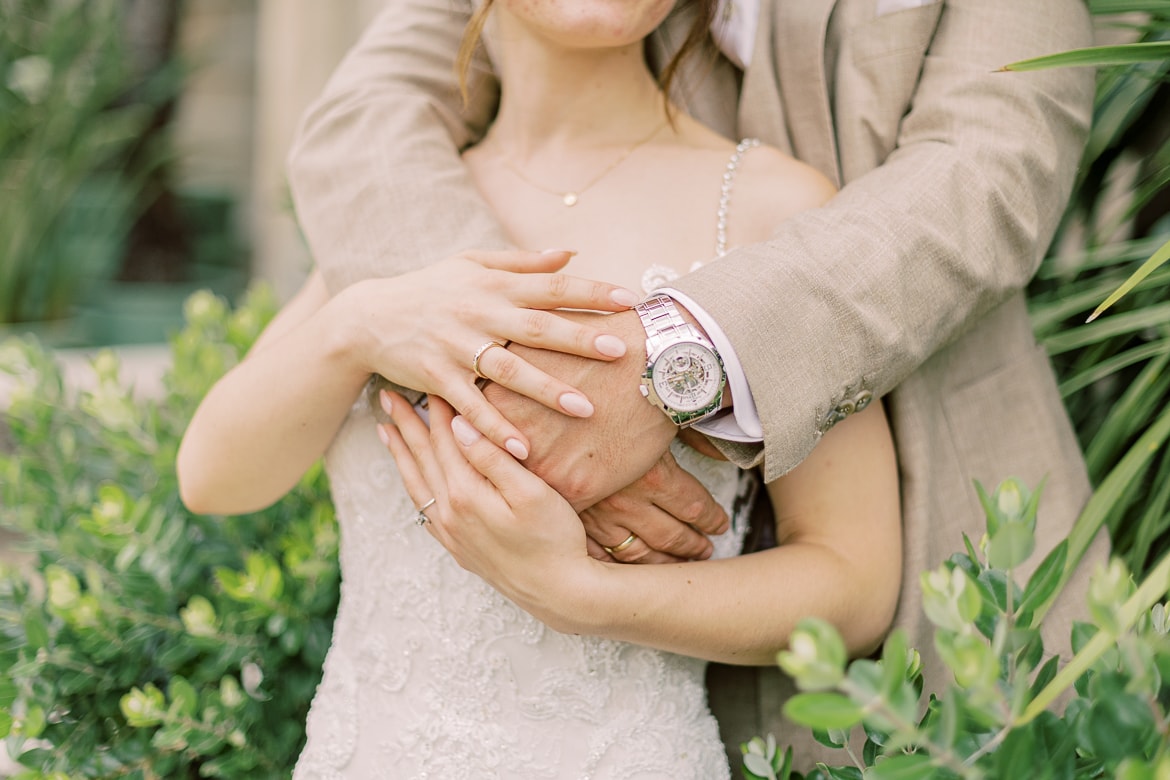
x,y
146,641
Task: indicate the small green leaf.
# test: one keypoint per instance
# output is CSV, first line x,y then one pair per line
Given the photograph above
x,y
816,655
895,655
184,698
1097,56
1010,546
758,766
823,711
1046,579
990,511
8,692
905,767
1158,259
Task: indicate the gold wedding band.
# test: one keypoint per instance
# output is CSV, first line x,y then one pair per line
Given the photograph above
x,y
479,353
617,548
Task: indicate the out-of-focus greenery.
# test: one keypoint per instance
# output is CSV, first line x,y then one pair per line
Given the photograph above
x,y
71,111
995,719
144,641
1113,370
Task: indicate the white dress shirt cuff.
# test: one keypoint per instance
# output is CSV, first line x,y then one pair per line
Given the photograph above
x,y
743,425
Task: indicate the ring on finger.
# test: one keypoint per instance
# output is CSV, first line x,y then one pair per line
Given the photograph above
x,y
479,354
617,548
420,517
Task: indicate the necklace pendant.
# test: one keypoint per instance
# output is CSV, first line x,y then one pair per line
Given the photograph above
x,y
569,199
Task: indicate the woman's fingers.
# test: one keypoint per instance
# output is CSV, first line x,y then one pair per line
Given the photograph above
x,y
415,435
520,261
562,291
548,330
418,488
518,375
515,483
468,399
540,288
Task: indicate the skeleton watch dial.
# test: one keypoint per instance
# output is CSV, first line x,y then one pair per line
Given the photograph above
x,y
687,377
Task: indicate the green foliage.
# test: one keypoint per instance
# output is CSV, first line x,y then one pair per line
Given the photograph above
x,y
67,126
146,641
1113,369
996,719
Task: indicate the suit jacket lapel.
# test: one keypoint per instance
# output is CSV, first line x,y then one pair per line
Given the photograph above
x,y
786,85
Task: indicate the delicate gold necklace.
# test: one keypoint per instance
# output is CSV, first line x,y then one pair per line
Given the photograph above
x,y
570,197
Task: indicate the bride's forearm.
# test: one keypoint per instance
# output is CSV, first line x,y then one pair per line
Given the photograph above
x,y
736,610
265,422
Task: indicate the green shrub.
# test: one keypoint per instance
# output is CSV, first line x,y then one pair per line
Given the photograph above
x,y
146,641
996,719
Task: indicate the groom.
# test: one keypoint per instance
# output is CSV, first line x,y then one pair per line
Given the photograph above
x,y
907,286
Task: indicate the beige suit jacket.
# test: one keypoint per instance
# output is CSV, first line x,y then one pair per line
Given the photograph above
x,y
907,284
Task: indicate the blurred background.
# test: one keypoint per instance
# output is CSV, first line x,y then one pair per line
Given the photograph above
x,y
142,145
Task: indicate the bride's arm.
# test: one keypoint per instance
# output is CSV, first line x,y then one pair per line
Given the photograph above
x,y
265,422
838,519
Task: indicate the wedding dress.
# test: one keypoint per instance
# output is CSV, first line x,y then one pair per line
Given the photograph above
x,y
433,674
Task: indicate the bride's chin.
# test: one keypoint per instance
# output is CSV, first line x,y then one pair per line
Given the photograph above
x,y
583,24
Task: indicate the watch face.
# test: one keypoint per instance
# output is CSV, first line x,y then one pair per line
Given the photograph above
x,y
687,377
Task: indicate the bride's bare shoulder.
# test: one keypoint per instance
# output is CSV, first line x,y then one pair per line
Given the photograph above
x,y
772,186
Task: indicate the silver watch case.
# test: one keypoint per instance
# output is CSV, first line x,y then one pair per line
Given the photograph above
x,y
684,374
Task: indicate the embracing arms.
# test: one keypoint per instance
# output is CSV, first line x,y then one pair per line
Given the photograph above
x,y
848,297
270,417
839,556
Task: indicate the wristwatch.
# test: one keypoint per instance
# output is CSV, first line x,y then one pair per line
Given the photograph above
x,y
684,374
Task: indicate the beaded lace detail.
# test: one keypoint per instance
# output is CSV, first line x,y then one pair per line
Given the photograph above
x,y
658,276
433,674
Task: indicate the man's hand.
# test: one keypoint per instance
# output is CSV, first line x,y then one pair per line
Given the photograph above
x,y
595,462
666,510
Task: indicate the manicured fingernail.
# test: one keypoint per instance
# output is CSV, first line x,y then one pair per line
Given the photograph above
x,y
385,437
623,297
554,252
576,405
384,400
517,448
464,432
611,346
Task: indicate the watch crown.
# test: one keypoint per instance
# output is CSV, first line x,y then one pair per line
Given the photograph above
x,y
645,391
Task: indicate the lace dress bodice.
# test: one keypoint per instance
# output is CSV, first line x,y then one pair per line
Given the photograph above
x,y
433,674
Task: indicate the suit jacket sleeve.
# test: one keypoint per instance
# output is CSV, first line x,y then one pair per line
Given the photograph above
x,y
858,294
389,126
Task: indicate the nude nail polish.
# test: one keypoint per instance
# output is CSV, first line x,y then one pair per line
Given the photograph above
x,y
611,346
576,405
623,297
516,448
464,432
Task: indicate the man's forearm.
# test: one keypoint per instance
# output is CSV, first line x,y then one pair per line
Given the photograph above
x,y
852,297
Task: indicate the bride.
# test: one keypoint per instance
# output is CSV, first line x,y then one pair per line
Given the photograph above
x,y
476,637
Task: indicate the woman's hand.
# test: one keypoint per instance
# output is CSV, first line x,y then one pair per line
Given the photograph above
x,y
496,518
424,330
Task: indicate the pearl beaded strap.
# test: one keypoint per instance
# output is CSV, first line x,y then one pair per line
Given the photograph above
x,y
657,276
725,193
